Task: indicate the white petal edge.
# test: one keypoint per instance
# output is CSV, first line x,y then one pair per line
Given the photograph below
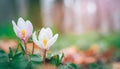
x,y
52,41
29,28
28,23
42,34
49,32
21,23
16,29
42,30
38,43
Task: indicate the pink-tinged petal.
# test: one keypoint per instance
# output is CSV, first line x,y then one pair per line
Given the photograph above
x,y
52,41
38,43
26,39
21,23
17,30
29,28
49,33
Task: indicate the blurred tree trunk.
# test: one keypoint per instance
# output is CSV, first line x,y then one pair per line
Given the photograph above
x,y
7,11
58,15
34,12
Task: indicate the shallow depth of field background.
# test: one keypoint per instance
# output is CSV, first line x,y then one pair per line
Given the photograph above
x,y
80,23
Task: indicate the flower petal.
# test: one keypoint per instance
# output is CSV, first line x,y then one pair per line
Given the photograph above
x,y
49,32
29,28
42,34
21,23
16,30
38,43
42,30
52,41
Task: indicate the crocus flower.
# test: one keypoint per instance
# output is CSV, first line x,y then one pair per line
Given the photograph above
x,y
45,38
23,29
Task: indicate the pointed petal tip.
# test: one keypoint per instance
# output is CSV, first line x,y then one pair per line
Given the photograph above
x,y
42,28
13,23
48,28
52,41
57,35
12,20
28,21
29,24
20,18
34,33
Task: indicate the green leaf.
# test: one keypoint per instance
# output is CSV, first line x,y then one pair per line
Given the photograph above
x,y
21,46
36,60
29,66
56,60
53,60
93,65
11,53
68,66
3,60
62,67
17,49
19,61
49,55
3,56
72,66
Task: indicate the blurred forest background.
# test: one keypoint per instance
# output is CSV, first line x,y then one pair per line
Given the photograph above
x,y
66,16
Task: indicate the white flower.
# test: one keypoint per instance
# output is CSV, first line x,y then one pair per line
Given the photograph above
x,y
45,38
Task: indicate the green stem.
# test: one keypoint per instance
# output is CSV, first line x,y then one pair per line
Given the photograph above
x,y
17,49
25,46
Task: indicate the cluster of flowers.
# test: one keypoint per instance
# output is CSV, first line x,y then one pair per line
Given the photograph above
x,y
43,38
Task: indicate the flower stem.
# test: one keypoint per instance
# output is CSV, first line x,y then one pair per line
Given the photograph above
x,y
26,54
25,46
44,55
33,48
